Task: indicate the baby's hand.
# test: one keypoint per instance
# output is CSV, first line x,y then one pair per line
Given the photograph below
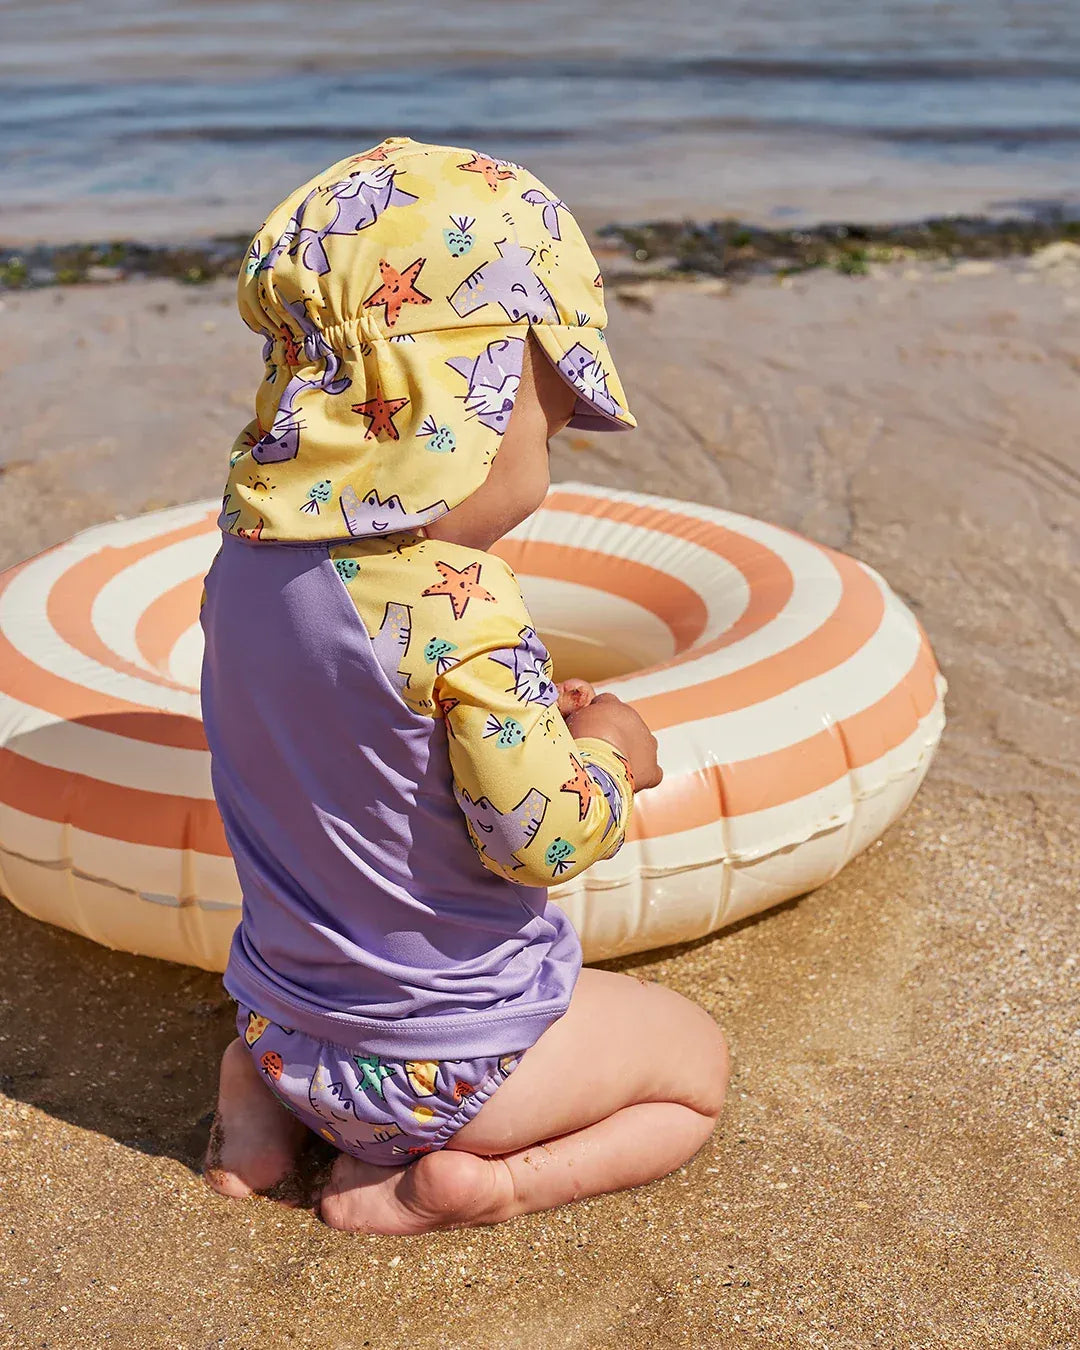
x,y
574,695
610,719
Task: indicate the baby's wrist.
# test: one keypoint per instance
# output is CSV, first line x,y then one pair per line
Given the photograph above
x,y
614,749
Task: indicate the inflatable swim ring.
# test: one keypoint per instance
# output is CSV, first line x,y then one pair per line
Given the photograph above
x,y
795,699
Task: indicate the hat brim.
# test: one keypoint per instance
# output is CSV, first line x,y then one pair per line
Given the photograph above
x,y
581,357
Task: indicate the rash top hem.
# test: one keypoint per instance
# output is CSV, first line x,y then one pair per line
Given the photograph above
x,y
447,1036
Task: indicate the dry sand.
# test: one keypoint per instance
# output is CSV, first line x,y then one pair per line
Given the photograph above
x,y
897,1165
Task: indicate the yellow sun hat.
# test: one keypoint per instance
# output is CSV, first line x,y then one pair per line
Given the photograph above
x,y
394,293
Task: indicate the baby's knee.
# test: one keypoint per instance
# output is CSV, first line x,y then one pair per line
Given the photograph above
x,y
704,1060
697,1064
715,1070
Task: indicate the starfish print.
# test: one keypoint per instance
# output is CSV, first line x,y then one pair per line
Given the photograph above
x,y
380,414
494,174
581,785
397,289
292,347
377,152
446,706
372,1072
460,587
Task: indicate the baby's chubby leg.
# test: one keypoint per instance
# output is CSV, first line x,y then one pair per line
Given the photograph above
x,y
254,1140
623,1089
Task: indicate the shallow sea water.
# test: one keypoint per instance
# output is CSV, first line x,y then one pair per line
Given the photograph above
x,y
156,120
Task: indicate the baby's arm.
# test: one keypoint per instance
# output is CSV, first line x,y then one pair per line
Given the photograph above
x,y
541,806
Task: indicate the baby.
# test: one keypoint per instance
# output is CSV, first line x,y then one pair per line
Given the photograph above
x,y
399,777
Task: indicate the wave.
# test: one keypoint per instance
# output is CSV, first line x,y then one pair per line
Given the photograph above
x,y
285,133
855,69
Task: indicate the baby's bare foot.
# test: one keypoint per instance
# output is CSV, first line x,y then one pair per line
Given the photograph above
x,y
448,1189
254,1140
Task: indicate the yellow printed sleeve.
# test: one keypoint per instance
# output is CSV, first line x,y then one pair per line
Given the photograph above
x,y
540,806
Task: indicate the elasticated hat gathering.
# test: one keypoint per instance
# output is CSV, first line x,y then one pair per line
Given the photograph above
x,y
394,293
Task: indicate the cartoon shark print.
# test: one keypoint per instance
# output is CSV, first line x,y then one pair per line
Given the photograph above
x,y
227,520
500,835
588,376
397,289
361,199
391,643
333,1103
459,586
550,214
506,281
374,515
282,441
531,667
493,378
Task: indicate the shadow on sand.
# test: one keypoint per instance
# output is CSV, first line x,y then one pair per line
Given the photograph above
x,y
129,1046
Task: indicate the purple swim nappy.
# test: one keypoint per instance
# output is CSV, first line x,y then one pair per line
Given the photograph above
x,y
383,1111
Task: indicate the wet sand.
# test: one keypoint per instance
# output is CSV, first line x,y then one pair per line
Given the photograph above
x,y
897,1164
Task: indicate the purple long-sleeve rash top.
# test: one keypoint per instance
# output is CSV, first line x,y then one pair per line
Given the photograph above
x,y
398,790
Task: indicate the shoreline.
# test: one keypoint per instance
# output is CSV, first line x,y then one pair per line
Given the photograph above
x,y
728,248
